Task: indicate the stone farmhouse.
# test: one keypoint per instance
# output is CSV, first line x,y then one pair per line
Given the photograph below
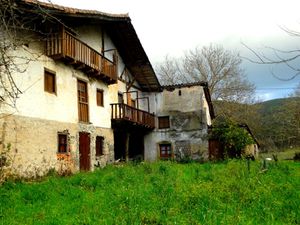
x,y
92,97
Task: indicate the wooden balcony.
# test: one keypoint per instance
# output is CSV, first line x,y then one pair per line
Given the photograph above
x,y
66,47
132,116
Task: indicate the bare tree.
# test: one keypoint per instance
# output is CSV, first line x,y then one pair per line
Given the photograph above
x,y
289,58
219,67
19,26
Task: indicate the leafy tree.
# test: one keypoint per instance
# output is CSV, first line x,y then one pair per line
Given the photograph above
x,y
233,137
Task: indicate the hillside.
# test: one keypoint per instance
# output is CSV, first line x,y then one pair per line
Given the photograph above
x,y
275,123
275,104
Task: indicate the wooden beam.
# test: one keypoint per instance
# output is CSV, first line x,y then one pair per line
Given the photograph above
x,y
130,84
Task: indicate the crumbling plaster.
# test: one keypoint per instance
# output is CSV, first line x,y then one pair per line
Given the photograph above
x,y
189,118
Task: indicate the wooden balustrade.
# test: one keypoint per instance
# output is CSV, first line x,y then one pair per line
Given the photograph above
x,y
120,111
66,46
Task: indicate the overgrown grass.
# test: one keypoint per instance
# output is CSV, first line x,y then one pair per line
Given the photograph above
x,y
284,154
159,193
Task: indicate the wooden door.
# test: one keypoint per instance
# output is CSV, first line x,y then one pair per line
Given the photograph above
x,y
84,151
83,106
215,150
128,99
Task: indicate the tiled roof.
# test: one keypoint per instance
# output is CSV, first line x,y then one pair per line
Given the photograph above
x,y
122,33
191,84
70,10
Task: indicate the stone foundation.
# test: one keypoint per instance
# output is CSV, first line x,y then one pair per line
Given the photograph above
x,y
32,145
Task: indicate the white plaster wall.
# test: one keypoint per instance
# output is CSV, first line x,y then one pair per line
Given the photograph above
x,y
190,99
143,103
108,45
62,106
206,109
150,144
154,100
91,35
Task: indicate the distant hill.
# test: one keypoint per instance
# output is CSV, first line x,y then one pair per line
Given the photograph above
x,y
275,105
279,120
275,123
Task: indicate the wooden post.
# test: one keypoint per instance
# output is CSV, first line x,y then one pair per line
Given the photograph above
x,y
63,41
127,147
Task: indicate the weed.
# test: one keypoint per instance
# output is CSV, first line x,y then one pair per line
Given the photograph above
x,y
159,193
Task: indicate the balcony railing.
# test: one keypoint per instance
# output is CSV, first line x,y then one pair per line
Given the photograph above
x,y
120,111
64,45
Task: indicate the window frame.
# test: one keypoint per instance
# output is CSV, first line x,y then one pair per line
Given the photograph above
x,y
49,73
59,144
100,101
162,123
99,147
83,100
169,151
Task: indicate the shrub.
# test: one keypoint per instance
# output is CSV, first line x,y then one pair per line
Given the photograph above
x,y
232,136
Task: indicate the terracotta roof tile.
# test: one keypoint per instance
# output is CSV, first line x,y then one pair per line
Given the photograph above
x,y
70,10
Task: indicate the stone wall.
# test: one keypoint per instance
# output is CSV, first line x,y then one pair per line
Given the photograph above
x,y
33,145
188,117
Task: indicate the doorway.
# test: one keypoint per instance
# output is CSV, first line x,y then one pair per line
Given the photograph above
x,y
84,151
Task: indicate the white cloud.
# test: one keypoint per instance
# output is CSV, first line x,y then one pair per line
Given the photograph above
x,y
173,26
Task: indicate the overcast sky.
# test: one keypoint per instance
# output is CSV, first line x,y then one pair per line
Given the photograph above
x,y
171,27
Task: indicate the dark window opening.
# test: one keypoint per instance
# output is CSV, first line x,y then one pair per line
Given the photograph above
x,y
62,143
49,82
165,151
100,99
99,145
179,92
163,122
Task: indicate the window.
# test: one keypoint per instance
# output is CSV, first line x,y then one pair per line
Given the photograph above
x,y
99,145
179,93
165,151
83,105
163,122
100,100
62,143
49,81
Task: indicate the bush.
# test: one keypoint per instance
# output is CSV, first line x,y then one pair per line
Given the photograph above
x,y
232,136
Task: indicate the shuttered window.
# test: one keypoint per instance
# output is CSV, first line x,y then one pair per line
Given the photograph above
x,y
49,82
99,145
99,97
163,122
83,106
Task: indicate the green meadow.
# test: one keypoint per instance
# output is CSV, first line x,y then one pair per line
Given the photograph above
x,y
232,192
